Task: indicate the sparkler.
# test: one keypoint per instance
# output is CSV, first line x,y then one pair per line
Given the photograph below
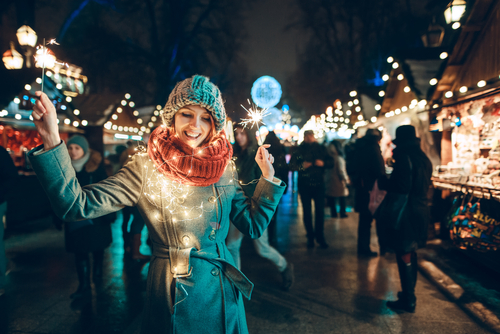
x,y
256,115
45,54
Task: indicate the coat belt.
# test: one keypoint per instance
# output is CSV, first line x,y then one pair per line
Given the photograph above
x,y
180,267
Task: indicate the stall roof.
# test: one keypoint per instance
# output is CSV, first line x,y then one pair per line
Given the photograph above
x,y
96,108
475,54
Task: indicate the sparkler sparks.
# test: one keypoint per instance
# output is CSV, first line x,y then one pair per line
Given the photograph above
x,y
256,115
45,58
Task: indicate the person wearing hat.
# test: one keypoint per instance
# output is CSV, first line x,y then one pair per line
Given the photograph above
x,y
311,159
186,187
411,176
89,236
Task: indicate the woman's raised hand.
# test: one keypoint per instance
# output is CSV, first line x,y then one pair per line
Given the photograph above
x,y
265,161
45,119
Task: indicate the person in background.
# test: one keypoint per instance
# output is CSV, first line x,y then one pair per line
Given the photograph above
x,y
311,159
412,176
244,150
367,167
90,235
8,178
336,180
281,168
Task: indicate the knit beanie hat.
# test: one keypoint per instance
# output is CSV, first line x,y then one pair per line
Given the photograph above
x,y
197,90
80,141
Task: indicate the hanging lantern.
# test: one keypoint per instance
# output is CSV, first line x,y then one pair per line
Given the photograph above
x,y
454,12
12,59
433,37
26,36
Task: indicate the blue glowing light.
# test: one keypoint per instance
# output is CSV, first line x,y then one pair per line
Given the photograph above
x,y
63,107
285,107
377,81
25,98
266,92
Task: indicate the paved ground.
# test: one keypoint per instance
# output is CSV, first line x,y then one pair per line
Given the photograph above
x,y
335,292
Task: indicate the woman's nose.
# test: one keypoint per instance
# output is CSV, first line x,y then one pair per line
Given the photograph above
x,y
195,122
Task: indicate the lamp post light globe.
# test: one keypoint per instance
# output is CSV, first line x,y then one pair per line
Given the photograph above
x,y
12,59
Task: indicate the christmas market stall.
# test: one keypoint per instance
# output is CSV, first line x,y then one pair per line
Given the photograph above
x,y
468,122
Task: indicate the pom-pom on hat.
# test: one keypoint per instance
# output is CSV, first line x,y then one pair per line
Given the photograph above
x,y
197,90
80,141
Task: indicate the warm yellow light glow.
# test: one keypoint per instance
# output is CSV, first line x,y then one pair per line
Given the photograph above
x,y
406,89
381,93
26,36
443,55
463,89
400,77
385,77
390,60
481,83
76,112
433,81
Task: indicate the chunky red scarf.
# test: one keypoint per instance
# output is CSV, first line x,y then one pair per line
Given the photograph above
x,y
180,162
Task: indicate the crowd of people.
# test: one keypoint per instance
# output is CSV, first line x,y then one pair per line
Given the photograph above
x,y
234,190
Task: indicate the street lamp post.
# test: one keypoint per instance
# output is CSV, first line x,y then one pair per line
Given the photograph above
x,y
27,39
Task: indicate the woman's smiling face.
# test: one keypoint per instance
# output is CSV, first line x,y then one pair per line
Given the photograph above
x,y
193,124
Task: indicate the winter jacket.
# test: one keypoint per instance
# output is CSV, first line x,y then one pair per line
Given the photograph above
x,y
280,165
93,234
336,179
367,166
310,152
193,285
247,169
413,179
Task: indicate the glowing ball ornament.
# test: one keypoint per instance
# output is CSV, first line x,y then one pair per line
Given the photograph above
x,y
266,92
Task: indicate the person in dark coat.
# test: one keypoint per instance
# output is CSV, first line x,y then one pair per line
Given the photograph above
x,y
367,166
411,175
91,235
311,159
277,149
249,172
8,177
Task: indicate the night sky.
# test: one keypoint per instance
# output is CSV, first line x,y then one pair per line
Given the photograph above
x,y
271,50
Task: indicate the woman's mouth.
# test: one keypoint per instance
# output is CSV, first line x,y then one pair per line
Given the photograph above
x,y
192,135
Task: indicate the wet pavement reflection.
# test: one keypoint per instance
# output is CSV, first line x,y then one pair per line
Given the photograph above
x,y
334,290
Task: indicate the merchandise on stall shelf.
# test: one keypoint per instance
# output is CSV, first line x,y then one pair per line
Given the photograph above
x,y
474,223
475,144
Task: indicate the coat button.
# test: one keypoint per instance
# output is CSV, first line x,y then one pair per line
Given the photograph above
x,y
215,272
185,240
211,237
212,199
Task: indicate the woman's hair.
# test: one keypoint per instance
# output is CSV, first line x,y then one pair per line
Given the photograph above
x,y
272,139
252,141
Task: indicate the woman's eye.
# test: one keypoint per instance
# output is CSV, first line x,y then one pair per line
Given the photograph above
x,y
186,115
206,119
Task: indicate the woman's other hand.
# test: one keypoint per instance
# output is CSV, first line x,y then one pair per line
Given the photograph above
x,y
265,161
45,119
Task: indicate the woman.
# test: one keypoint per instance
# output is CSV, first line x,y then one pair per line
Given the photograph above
x,y
336,180
90,235
245,149
277,149
411,176
186,188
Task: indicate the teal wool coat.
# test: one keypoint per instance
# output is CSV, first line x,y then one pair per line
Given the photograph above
x,y
193,285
